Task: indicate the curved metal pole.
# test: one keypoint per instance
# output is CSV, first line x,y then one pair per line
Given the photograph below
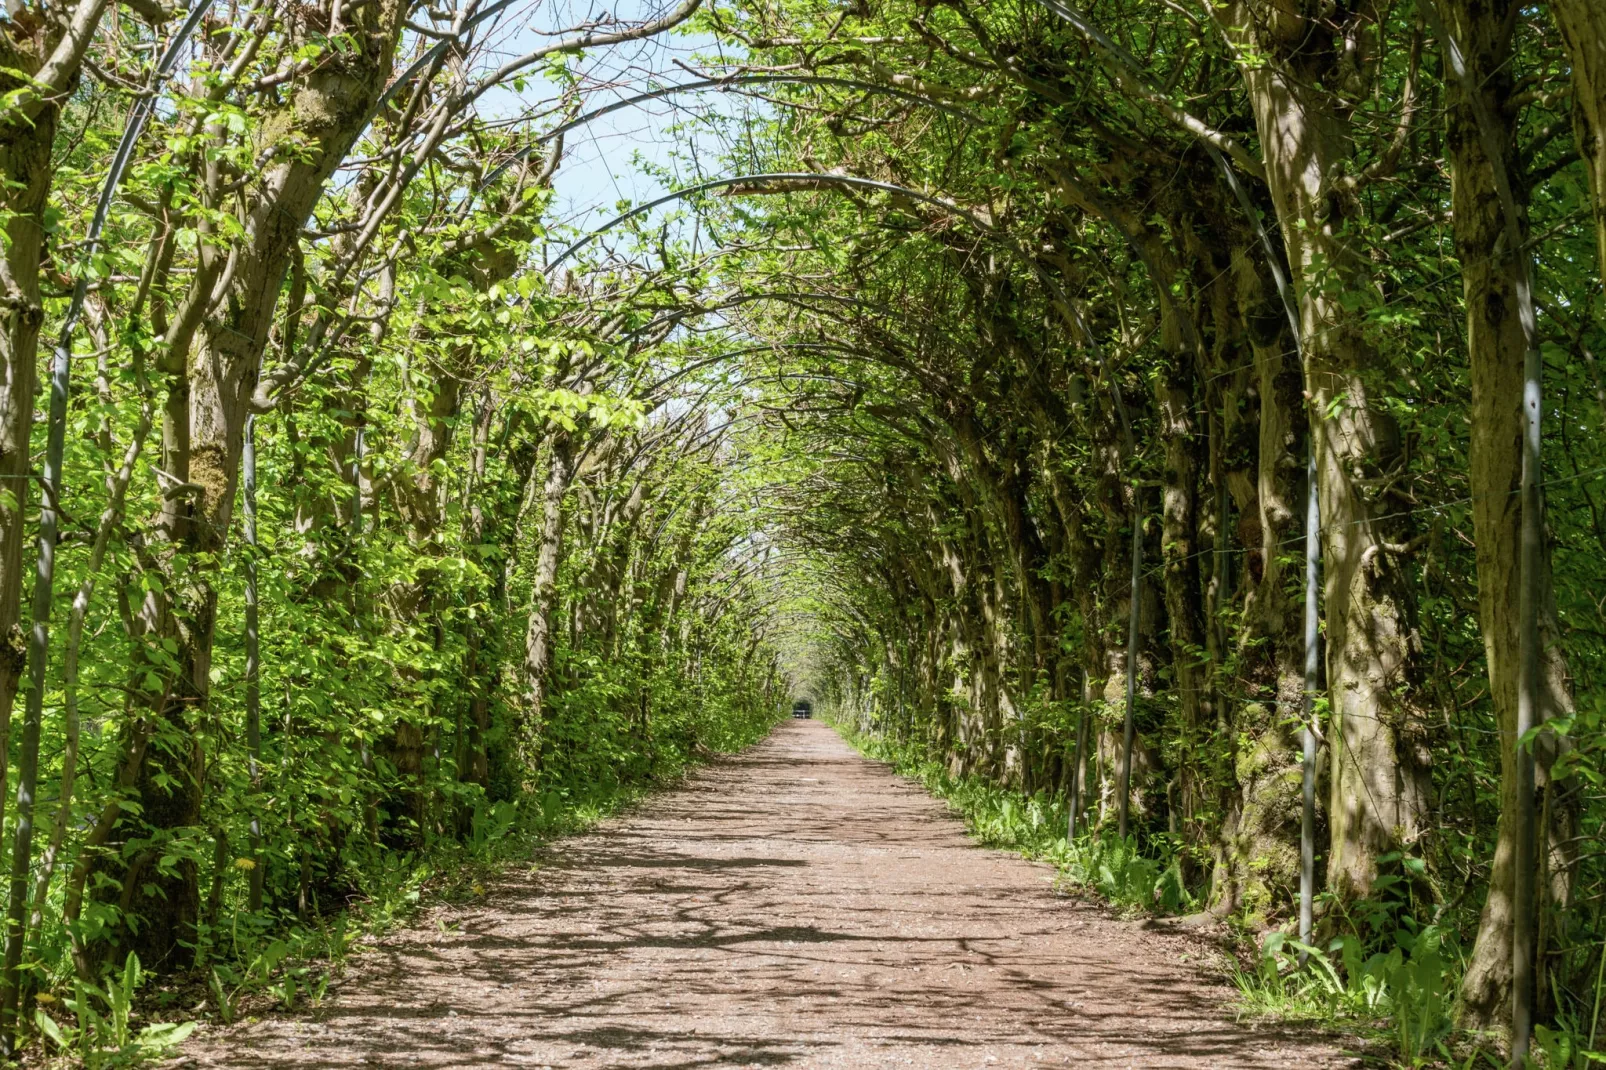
x,y
1313,567
434,54
1134,617
470,22
1530,559
253,658
850,181
45,566
1134,608
1078,776
1307,734
1157,96
1060,300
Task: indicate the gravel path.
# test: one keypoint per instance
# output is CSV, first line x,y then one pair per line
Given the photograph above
x,y
795,906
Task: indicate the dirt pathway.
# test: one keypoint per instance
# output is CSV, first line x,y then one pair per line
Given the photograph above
x,y
796,906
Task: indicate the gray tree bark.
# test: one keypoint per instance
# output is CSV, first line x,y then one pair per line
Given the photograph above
x,y
1379,759
1492,279
543,600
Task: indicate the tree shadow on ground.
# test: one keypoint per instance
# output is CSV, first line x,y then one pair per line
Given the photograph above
x,y
792,907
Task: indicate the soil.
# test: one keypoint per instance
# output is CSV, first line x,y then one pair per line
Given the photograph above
x,y
794,906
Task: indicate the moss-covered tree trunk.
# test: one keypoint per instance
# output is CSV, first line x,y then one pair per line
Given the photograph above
x,y
1379,791
538,633
203,438
1258,863
1497,345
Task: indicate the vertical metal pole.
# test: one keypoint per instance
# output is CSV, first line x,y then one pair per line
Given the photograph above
x,y
1223,569
1307,819
1131,660
1080,760
358,455
253,658
903,658
38,655
1524,892
45,567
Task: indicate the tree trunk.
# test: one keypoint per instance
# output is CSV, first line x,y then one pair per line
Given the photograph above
x,y
203,441
543,599
1583,29
1179,514
473,763
1497,347
1258,864
1379,781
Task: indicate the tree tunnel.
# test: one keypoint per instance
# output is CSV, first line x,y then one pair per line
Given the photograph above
x,y
1185,416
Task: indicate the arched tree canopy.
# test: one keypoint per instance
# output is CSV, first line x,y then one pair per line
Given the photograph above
x,y
1184,419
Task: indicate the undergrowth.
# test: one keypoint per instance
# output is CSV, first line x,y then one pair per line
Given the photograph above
x,y
285,962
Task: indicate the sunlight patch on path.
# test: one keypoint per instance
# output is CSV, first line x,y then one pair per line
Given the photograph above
x,y
796,906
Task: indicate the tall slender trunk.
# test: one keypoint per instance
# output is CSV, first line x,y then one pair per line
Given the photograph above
x,y
1583,30
1179,564
473,764
543,599
1493,280
1378,770
117,483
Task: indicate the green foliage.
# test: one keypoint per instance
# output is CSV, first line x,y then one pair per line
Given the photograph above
x,y
104,1035
396,568
531,542
1563,1047
1119,872
1410,986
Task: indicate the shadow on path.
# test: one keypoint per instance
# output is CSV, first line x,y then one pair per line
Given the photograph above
x,y
795,906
